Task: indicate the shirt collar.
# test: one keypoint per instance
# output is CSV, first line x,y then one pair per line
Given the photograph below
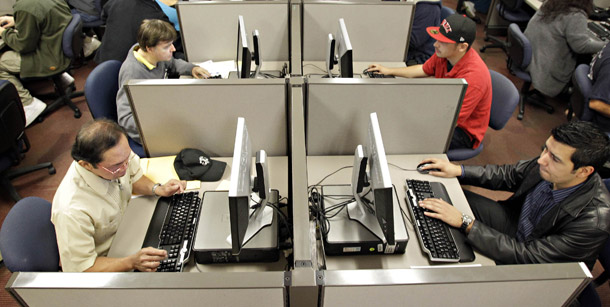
x,y
141,59
561,194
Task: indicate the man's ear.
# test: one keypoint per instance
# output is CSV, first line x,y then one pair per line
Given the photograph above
x,y
585,171
88,166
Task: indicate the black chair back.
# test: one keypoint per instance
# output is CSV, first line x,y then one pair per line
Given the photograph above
x,y
12,118
579,100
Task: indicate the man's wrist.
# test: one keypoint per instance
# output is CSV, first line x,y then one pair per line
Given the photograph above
x,y
154,188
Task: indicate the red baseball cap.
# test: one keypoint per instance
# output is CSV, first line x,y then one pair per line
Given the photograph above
x,y
454,29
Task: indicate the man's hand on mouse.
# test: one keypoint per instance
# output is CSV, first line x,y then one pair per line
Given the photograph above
x,y
446,168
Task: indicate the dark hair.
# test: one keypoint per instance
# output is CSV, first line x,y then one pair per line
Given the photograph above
x,y
153,31
94,139
551,9
591,143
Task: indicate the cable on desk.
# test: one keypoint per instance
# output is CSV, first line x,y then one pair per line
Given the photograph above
x,y
315,66
402,168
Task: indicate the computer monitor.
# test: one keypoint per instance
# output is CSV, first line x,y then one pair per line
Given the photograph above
x,y
258,59
344,51
377,216
247,215
244,56
330,55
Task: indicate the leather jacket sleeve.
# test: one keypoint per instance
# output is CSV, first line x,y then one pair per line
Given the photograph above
x,y
497,177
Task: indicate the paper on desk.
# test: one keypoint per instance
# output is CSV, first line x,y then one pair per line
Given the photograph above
x,y
219,68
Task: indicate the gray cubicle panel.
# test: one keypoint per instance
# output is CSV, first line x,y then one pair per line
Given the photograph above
x,y
510,285
6,7
149,289
187,113
209,28
379,30
415,115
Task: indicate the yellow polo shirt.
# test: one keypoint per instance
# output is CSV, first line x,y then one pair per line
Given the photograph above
x,y
87,211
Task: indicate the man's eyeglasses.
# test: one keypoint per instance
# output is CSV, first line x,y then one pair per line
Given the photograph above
x,y
120,168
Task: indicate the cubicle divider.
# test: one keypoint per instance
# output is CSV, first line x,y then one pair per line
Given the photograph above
x,y
188,113
379,30
262,289
209,28
415,115
510,285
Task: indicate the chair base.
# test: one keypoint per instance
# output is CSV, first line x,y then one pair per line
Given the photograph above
x,y
6,177
533,97
65,98
496,43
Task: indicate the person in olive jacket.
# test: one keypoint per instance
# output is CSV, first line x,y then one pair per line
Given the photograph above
x,y
560,209
33,37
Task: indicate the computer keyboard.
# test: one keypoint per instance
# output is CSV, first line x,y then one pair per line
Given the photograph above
x,y
215,77
436,238
374,74
172,227
599,30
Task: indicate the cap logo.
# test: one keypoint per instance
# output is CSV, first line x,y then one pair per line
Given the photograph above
x,y
204,161
446,26
434,31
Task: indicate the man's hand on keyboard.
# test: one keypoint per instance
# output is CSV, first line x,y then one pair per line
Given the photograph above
x,y
447,169
147,259
379,68
440,209
170,188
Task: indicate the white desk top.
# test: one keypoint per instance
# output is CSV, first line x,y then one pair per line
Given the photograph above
x,y
320,166
316,68
132,230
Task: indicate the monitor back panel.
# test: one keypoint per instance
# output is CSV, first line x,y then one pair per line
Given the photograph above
x,y
209,28
415,115
178,113
379,30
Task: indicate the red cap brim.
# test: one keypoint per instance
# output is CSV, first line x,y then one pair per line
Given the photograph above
x,y
436,34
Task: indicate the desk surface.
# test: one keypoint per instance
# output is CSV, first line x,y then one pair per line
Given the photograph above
x,y
535,4
314,69
320,166
132,230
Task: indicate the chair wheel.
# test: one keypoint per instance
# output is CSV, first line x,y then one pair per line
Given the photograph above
x,y
39,119
482,49
77,114
52,170
519,116
550,111
486,39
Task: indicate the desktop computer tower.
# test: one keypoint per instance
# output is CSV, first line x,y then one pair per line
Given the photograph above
x,y
349,237
213,238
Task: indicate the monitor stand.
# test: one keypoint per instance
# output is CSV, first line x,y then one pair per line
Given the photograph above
x,y
211,244
350,237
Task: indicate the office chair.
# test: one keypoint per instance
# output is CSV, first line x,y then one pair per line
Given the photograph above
x,y
505,98
579,100
446,12
519,57
27,237
72,45
101,88
13,141
512,11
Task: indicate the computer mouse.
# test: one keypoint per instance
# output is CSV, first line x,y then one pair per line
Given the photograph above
x,y
421,170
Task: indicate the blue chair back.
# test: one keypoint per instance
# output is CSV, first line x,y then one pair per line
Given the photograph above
x,y
72,39
505,99
519,52
27,237
582,90
101,88
446,12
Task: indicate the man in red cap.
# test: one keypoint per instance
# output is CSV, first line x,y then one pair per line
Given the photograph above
x,y
454,58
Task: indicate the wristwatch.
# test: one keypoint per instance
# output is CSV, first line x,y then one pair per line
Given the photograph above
x,y
466,220
154,188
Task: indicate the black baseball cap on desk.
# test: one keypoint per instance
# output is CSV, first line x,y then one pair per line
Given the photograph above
x,y
194,164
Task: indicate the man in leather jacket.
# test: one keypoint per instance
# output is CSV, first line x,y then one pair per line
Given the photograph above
x,y
560,209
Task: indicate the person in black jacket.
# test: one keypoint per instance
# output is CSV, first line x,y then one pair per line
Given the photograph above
x,y
560,209
123,19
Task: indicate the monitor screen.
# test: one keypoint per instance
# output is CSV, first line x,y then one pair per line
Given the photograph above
x,y
248,212
258,59
244,56
377,215
344,51
330,55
